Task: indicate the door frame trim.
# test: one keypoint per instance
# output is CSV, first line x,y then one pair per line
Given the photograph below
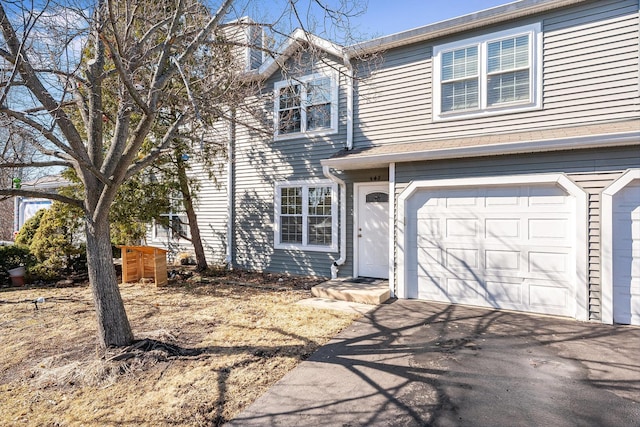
x,y
357,188
606,245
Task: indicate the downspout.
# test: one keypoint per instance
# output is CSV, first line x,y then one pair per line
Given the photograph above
x,y
230,199
343,221
347,63
341,184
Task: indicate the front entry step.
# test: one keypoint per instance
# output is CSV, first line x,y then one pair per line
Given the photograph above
x,y
366,291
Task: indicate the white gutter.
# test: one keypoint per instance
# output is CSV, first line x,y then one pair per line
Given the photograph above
x,y
343,221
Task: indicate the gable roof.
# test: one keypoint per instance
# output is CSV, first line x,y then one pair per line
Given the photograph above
x,y
289,47
597,135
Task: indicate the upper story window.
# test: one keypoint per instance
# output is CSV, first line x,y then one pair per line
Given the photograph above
x,y
488,75
306,105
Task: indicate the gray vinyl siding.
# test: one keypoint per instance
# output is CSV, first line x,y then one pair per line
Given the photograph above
x,y
210,205
592,170
261,162
590,74
211,209
255,41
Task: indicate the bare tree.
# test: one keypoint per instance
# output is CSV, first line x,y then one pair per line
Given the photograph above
x,y
104,88
135,51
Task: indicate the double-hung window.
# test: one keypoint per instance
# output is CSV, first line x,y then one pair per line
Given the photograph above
x,y
306,215
306,105
488,75
171,227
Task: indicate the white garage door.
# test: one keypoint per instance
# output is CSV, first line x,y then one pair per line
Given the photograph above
x,y
626,255
504,247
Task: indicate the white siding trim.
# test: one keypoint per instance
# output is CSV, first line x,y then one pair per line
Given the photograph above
x,y
561,180
392,242
606,234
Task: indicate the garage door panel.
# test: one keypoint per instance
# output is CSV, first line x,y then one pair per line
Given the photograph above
x,y
428,228
551,263
502,228
547,299
465,291
462,259
431,287
546,196
503,197
509,247
509,295
429,257
546,229
461,227
502,260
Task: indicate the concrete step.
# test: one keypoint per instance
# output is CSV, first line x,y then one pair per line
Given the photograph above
x,y
367,291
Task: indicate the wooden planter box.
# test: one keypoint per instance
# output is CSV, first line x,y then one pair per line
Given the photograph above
x,y
144,262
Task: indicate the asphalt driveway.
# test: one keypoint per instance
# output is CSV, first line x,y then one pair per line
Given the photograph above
x,y
414,363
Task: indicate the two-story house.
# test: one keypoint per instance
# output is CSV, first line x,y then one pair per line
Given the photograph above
x,y
491,159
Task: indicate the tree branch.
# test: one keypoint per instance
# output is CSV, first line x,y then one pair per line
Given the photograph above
x,y
42,195
51,163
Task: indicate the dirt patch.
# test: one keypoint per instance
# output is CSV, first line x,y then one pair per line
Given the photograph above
x,y
206,348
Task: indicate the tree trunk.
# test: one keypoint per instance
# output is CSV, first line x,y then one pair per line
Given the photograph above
x,y
196,240
113,324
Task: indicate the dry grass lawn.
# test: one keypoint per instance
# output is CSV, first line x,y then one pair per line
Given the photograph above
x,y
210,349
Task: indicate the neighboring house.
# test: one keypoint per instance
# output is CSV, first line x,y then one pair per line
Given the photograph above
x,y
491,159
26,207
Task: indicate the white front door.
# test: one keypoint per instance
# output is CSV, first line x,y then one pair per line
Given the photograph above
x,y
372,230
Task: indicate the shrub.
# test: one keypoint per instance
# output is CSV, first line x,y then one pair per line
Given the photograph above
x,y
56,239
29,228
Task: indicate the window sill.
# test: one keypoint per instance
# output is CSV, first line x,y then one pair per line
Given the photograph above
x,y
299,135
489,112
308,248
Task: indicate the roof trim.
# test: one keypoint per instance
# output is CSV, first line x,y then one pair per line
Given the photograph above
x,y
492,16
360,161
483,18
286,50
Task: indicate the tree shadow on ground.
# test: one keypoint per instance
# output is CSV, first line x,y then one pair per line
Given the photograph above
x,y
415,363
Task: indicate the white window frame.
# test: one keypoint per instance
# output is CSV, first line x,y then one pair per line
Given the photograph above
x,y
303,103
535,74
169,231
305,246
